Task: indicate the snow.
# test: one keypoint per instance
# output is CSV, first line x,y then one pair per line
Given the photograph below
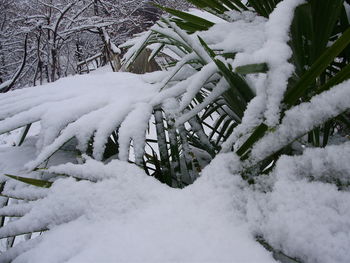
x,y
130,54
196,84
207,16
112,46
139,219
326,105
10,138
251,38
186,59
128,216
16,157
16,210
5,84
245,34
220,88
277,29
98,212
134,128
303,215
93,104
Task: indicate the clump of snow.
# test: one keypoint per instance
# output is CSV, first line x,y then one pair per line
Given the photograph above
x,y
75,107
128,216
277,29
134,128
9,138
327,165
207,16
322,107
306,219
12,159
132,217
243,35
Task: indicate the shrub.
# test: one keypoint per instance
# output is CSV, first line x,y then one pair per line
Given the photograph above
x,y
262,80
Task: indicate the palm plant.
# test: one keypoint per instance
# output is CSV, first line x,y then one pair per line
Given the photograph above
x,y
319,41
286,91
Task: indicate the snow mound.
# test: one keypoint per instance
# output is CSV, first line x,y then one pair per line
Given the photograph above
x,y
127,216
130,217
304,215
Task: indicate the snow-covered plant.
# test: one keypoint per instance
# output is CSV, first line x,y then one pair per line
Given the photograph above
x,y
253,71
266,79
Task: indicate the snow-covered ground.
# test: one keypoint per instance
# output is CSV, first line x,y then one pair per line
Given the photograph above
x,y
130,217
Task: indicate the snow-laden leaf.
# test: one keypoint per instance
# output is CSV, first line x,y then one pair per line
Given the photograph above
x,y
322,107
31,181
80,107
9,255
16,210
24,193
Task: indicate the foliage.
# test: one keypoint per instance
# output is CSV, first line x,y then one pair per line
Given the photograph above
x,y
320,58
286,94
223,88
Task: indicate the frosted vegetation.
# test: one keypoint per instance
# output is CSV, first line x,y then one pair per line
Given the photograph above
x,y
237,149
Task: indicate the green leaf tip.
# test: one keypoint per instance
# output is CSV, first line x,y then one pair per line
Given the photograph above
x,y
31,181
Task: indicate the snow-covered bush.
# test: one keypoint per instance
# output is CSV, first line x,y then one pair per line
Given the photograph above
x,y
249,84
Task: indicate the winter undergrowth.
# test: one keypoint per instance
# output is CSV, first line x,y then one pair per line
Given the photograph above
x,y
267,179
